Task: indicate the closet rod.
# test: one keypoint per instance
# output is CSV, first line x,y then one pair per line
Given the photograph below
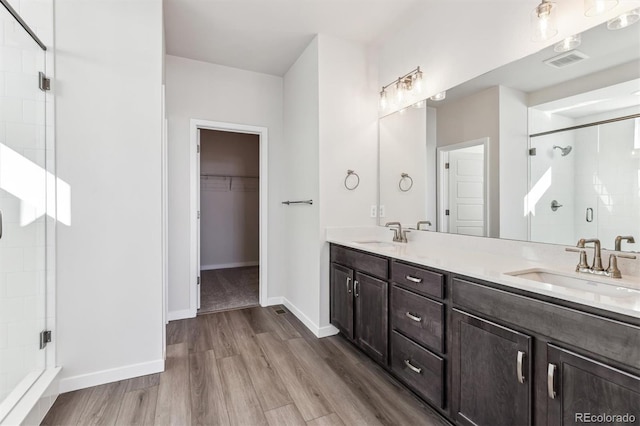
x,y
229,176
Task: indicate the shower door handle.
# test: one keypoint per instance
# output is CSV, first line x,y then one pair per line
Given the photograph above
x,y
589,215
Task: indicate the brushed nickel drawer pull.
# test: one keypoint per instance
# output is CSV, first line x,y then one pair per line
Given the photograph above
x,y
551,373
413,317
348,282
355,288
412,367
413,279
521,357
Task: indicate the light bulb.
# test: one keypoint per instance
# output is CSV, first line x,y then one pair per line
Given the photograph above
x,y
624,20
543,21
439,96
417,81
383,100
400,89
568,43
598,7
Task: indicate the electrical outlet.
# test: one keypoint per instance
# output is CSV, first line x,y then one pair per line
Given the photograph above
x,y
373,211
382,214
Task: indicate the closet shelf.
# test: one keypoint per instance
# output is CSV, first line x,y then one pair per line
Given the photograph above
x,y
205,175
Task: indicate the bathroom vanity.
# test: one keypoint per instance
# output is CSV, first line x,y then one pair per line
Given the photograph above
x,y
479,347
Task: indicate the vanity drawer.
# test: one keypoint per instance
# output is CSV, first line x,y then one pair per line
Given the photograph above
x,y
418,279
418,317
418,368
368,263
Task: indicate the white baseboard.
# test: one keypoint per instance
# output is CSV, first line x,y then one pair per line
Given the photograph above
x,y
83,381
274,301
319,332
229,265
178,315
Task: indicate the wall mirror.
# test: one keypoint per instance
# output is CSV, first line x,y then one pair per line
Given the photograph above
x,y
544,149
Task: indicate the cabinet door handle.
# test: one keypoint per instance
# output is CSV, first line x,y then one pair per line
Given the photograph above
x,y
521,357
412,367
551,378
348,282
413,279
413,317
355,288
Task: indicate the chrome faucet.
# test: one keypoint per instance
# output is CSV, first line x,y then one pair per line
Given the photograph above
x,y
422,222
399,236
612,270
620,239
596,267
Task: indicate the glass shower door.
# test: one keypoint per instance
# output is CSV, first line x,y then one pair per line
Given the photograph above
x,y
23,204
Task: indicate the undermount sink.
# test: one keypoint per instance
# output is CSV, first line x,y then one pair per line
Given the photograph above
x,y
375,243
569,281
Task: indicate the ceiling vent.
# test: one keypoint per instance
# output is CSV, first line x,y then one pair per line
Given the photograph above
x,y
566,59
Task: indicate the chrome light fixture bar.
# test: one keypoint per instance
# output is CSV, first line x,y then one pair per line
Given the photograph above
x,y
410,82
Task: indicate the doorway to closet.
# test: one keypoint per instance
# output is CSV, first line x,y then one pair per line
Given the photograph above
x,y
229,220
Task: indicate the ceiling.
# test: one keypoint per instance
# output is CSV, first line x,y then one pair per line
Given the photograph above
x,y
268,36
604,49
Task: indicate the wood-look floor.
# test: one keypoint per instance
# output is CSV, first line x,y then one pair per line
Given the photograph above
x,y
250,367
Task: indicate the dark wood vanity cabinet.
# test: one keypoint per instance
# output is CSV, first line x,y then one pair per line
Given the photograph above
x,y
359,300
484,354
583,364
491,373
418,313
578,386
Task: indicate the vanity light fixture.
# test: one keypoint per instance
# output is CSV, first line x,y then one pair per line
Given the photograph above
x,y
408,83
439,96
598,7
568,43
624,20
543,21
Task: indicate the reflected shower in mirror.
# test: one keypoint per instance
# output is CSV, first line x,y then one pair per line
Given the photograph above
x,y
560,153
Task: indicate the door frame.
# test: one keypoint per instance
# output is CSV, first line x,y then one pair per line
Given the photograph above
x,y
194,253
443,181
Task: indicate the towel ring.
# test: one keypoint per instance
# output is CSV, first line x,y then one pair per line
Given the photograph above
x,y
357,182
404,187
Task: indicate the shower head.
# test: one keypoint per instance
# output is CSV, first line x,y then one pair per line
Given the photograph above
x,y
565,151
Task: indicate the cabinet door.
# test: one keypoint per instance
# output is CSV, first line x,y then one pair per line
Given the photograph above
x,y
578,387
491,373
371,316
342,299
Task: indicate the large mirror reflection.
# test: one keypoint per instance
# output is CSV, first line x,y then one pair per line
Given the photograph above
x,y
544,149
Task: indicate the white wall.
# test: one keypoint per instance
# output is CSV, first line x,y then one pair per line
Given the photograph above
x,y
348,109
330,116
403,149
212,92
108,133
229,210
302,182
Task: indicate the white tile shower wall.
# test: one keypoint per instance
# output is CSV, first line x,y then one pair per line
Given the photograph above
x,y
608,181
22,249
548,165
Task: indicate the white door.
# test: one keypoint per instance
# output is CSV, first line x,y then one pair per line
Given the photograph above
x,y
466,193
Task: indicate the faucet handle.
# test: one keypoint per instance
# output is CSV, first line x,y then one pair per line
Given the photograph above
x,y
613,271
403,238
583,266
396,236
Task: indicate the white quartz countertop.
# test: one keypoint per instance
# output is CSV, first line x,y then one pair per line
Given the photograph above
x,y
488,263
